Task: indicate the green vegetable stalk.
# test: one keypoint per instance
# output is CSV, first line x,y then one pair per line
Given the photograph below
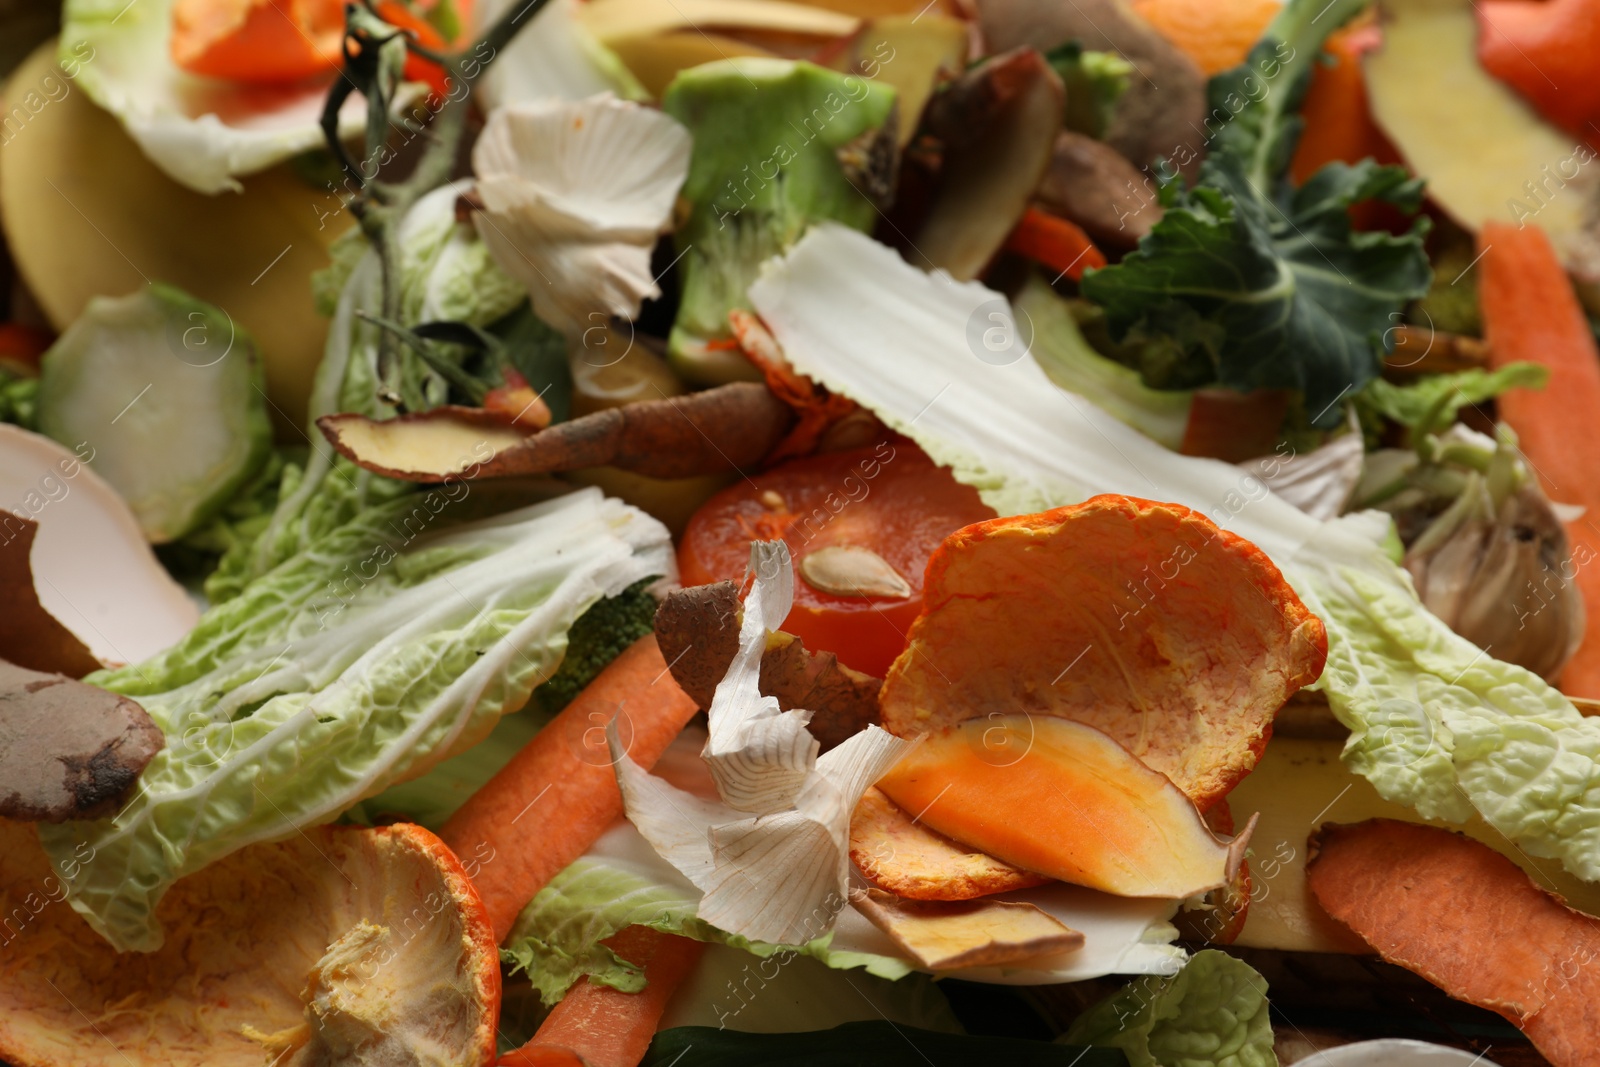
x,y
778,145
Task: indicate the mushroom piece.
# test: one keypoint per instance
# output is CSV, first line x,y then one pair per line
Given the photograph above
x,y
1092,184
342,944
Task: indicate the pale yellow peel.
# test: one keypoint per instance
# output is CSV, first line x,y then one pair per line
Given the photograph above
x,y
945,935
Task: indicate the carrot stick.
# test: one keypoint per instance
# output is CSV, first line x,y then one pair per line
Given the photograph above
x,y
1055,242
597,1026
1531,313
558,795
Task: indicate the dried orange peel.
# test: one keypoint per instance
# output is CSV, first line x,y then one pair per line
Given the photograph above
x,y
1175,638
896,852
340,944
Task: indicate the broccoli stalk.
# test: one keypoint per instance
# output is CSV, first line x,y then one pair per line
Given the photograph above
x,y
778,145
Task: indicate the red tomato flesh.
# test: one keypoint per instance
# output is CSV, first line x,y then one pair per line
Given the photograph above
x,y
889,498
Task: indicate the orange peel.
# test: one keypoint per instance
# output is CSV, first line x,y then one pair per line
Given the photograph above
x,y
1144,620
898,853
340,944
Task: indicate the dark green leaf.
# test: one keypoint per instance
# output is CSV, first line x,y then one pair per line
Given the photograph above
x,y
866,1044
1255,283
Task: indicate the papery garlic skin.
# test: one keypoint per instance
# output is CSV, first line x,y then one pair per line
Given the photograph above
x,y
574,195
772,855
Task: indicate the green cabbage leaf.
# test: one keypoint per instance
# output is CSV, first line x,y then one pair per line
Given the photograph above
x,y
386,646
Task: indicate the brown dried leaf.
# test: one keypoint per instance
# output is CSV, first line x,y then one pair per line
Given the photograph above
x,y
68,750
728,428
698,629
947,935
904,857
29,635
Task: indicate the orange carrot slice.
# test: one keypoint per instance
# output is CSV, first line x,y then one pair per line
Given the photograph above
x,y
597,1026
1056,243
1531,313
1177,639
1545,51
558,795
1467,919
257,40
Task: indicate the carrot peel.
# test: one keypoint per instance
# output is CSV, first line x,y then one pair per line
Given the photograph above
x,y
597,1026
1467,919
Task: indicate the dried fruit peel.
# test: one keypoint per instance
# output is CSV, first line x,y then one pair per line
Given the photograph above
x,y
244,937
1146,621
1471,922
1063,799
897,853
947,935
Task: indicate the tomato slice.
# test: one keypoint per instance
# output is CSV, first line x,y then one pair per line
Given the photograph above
x,y
889,498
257,40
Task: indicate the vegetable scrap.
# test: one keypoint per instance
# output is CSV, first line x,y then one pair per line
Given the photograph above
x,y
995,417
335,944
1439,903
598,1026
895,852
574,196
31,637
1531,313
729,428
942,936
996,125
68,750
773,852
698,629
1176,639
562,781
1112,823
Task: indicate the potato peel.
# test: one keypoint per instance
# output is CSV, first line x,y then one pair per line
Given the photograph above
x,y
899,854
1144,620
728,428
1467,919
947,935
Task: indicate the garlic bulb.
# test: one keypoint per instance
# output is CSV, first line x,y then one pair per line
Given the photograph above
x,y
1495,566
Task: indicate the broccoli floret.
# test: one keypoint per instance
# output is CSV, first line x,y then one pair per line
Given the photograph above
x,y
778,145
598,637
1094,82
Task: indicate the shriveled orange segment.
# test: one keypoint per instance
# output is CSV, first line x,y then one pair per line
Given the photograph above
x,y
1061,798
338,945
1178,639
898,853
257,40
947,935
